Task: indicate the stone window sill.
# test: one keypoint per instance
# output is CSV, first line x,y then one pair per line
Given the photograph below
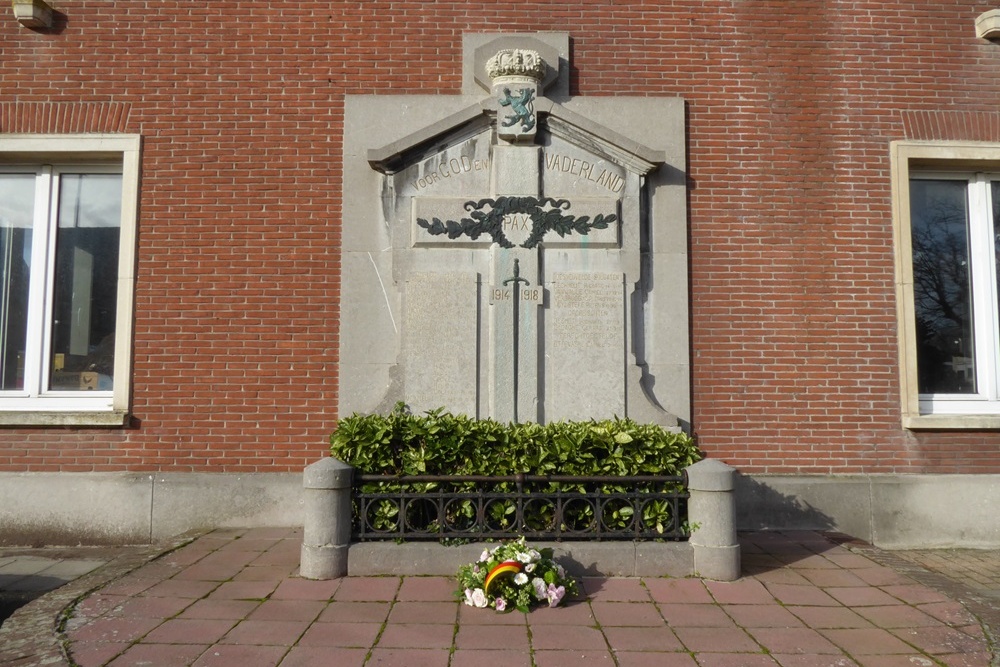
x,y
112,419
952,422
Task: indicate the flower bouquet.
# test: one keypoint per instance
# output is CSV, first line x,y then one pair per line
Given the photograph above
x,y
513,575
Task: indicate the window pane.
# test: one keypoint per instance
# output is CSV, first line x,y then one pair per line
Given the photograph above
x,y
86,282
995,198
942,287
17,199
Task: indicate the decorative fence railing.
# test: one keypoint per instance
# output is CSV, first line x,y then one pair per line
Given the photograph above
x,y
547,507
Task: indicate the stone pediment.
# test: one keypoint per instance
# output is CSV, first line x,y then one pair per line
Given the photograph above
x,y
554,119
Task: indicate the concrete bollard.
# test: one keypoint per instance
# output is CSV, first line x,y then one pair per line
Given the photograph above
x,y
712,515
326,530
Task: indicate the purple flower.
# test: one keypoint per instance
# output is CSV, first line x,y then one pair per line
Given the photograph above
x,y
540,591
555,594
501,604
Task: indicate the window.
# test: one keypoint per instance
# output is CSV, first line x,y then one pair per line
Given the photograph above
x,y
947,210
67,230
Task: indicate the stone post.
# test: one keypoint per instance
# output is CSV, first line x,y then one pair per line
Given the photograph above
x,y
326,532
712,514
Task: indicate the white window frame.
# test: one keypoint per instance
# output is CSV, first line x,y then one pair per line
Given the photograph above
x,y
976,164
72,154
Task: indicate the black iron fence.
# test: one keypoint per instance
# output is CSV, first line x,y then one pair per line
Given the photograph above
x,y
546,507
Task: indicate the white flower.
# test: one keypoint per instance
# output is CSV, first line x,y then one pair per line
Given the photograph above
x,y
529,568
555,594
520,578
524,557
541,591
478,598
468,596
484,556
534,556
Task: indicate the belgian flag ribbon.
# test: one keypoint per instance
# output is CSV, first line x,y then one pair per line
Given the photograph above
x,y
508,567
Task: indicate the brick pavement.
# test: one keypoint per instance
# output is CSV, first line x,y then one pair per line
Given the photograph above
x,y
231,598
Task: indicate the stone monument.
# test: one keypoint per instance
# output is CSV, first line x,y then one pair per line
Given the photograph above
x,y
512,252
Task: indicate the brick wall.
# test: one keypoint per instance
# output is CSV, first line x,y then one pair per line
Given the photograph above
x,y
791,107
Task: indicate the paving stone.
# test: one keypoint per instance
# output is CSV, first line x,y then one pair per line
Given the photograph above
x,y
761,616
613,589
939,640
793,640
744,591
419,635
629,639
183,631
830,617
898,616
159,654
572,637
344,635
112,629
722,640
808,596
915,594
324,656
854,597
287,610
797,660
952,613
367,589
867,641
408,658
695,616
480,657
241,656
572,613
181,589
637,659
301,589
244,590
572,658
833,578
439,589
492,637
355,612
468,615
270,632
150,607
735,660
220,609
96,653
627,613
424,612
675,591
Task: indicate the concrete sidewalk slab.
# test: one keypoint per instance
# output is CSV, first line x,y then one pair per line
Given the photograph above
x,y
805,599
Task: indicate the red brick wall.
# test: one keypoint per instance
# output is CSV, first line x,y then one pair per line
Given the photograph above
x,y
791,107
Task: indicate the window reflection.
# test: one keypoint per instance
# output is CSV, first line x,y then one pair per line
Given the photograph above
x,y
942,287
17,198
86,282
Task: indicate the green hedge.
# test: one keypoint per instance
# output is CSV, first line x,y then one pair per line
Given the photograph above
x,y
440,443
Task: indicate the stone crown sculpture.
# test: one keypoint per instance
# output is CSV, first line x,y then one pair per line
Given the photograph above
x,y
516,62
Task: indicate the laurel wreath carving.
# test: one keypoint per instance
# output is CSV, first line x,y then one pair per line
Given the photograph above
x,y
490,221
